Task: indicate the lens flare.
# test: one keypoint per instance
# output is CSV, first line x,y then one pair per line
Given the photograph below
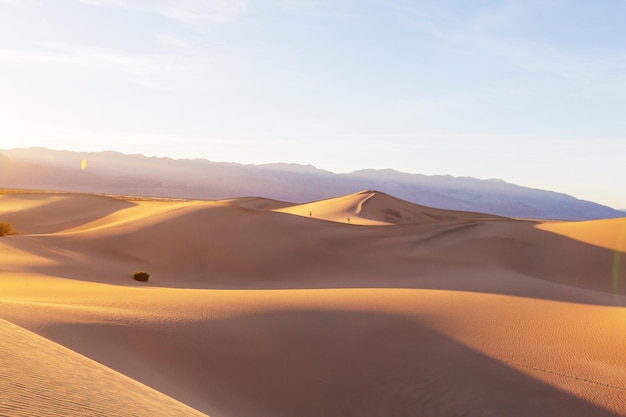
x,y
83,164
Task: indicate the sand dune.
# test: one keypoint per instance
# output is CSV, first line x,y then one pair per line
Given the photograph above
x,y
374,208
53,212
609,234
256,308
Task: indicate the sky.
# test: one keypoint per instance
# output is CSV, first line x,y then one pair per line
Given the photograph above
x,y
531,92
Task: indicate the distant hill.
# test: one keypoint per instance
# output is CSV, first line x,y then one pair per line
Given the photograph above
x,y
117,173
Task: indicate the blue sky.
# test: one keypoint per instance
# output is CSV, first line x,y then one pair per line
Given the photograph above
x,y
533,92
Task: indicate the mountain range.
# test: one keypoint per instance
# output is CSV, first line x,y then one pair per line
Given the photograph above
x,y
116,173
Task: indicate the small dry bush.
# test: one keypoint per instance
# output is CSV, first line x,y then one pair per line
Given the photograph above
x,y
7,229
141,276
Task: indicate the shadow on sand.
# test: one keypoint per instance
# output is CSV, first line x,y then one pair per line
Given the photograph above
x,y
324,363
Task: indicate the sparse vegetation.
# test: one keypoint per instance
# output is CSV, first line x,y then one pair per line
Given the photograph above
x,y
7,229
141,276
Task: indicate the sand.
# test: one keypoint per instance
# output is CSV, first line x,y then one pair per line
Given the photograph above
x,y
258,307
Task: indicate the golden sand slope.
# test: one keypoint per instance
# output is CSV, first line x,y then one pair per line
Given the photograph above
x,y
40,378
610,233
250,311
53,212
365,351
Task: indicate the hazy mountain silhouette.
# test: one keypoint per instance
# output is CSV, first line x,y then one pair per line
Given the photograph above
x,y
117,173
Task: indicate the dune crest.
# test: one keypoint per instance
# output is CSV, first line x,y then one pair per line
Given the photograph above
x,y
375,208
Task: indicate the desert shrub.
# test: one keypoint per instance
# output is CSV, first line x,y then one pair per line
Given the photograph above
x,y
141,276
7,229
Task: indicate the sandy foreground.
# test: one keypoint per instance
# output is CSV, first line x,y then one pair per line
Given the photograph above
x,y
262,308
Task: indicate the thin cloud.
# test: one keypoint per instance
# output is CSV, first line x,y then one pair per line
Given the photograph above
x,y
319,8
173,41
17,2
151,71
486,32
191,12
